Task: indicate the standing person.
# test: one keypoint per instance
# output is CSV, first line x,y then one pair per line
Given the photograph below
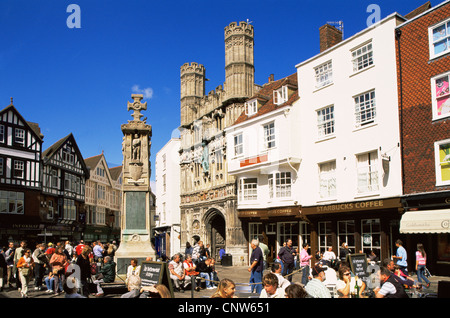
x,y
79,248
401,257
58,263
198,252
98,251
287,255
3,269
9,257
25,266
265,250
226,289
315,287
421,262
17,255
256,268
69,249
40,260
83,263
343,252
304,263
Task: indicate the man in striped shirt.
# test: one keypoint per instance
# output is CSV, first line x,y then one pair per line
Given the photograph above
x,y
315,287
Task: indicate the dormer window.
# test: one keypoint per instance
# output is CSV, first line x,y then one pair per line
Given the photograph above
x,y
251,107
280,95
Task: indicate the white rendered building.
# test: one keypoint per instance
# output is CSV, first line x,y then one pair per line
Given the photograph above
x,y
349,141
167,229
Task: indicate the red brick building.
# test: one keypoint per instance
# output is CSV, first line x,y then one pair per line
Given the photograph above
x,y
423,70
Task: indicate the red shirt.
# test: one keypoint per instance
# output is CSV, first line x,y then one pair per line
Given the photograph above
x,y
50,250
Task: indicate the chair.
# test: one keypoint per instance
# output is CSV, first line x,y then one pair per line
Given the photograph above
x,y
243,288
333,290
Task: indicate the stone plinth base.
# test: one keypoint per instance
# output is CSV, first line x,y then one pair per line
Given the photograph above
x,y
133,249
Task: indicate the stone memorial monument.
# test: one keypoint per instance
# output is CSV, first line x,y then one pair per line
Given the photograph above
x,y
135,227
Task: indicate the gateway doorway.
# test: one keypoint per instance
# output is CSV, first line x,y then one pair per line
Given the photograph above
x,y
216,232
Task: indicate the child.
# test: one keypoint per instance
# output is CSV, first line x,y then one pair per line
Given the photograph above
x,y
49,282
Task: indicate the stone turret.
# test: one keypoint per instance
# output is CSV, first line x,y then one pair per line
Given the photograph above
x,y
192,77
239,60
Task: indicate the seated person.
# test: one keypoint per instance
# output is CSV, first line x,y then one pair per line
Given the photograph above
x,y
70,288
190,271
49,282
346,283
204,268
271,289
330,276
108,275
134,287
282,282
177,273
133,269
406,280
214,276
390,287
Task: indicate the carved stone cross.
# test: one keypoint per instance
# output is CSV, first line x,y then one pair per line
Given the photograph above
x,y
137,106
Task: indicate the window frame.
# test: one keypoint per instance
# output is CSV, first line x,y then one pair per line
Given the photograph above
x,y
251,107
372,109
19,162
434,96
438,163
269,134
324,124
355,57
277,189
248,191
328,176
320,72
368,166
280,95
238,146
431,41
19,140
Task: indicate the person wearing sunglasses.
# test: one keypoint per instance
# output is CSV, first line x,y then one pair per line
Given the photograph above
x,y
346,284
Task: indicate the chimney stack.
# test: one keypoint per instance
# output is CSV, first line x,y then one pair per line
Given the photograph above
x,y
271,78
329,36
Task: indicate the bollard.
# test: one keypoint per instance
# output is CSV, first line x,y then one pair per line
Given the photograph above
x,y
192,285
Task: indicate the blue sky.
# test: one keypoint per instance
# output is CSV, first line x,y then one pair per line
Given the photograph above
x,y
78,80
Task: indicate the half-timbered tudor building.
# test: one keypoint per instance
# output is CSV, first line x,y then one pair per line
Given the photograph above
x,y
20,178
64,177
103,200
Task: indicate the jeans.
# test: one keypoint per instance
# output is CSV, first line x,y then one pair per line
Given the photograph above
x,y
38,274
287,269
256,280
207,276
421,274
305,275
49,282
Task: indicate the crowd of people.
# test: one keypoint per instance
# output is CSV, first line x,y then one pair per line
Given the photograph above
x,y
322,276
50,266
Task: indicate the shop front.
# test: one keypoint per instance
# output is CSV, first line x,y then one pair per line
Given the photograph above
x,y
427,221
274,226
365,226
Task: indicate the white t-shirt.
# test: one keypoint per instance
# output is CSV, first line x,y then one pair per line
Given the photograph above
x,y
341,285
279,293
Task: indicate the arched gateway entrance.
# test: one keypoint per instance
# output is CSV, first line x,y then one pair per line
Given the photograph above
x,y
215,231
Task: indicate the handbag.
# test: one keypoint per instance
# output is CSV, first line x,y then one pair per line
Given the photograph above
x,y
25,271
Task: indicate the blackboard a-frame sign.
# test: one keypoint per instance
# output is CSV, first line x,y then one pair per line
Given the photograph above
x,y
156,273
358,264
